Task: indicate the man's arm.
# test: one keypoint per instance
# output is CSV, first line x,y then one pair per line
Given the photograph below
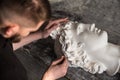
x,y
30,38
57,69
38,35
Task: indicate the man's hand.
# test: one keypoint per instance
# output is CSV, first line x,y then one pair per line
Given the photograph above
x,y
57,69
52,26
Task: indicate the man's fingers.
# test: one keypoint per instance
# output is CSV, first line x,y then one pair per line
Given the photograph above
x,y
61,20
64,64
57,61
56,22
52,28
50,25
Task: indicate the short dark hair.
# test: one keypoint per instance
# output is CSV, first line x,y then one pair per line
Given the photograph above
x,y
34,10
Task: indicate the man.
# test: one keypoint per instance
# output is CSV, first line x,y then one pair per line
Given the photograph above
x,y
17,19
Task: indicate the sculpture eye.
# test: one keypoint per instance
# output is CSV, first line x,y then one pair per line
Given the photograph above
x,y
80,29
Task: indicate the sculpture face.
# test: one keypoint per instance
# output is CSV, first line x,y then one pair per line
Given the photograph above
x,y
91,36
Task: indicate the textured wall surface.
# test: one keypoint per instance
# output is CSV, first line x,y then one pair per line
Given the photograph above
x,y
104,13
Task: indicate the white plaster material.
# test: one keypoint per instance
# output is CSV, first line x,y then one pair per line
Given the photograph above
x,y
87,47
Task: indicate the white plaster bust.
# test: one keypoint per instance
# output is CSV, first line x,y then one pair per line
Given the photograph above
x,y
87,47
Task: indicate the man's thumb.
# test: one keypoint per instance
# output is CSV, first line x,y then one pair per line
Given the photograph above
x,y
58,61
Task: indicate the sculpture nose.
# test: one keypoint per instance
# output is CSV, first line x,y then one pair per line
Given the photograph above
x,y
92,27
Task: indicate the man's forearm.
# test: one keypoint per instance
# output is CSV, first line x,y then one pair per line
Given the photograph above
x,y
27,40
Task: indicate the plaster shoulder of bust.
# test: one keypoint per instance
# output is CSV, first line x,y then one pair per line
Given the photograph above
x,y
112,71
113,68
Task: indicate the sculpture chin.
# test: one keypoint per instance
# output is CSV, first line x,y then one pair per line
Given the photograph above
x,y
72,40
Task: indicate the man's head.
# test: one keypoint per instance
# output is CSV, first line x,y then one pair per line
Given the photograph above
x,y
20,17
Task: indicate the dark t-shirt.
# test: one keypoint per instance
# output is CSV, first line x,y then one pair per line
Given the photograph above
x,y
10,66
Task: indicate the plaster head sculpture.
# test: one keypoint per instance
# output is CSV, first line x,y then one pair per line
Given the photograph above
x,y
87,47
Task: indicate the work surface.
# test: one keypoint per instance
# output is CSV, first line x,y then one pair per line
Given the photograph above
x,y
104,13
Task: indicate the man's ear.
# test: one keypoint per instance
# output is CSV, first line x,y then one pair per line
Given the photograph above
x,y
11,30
